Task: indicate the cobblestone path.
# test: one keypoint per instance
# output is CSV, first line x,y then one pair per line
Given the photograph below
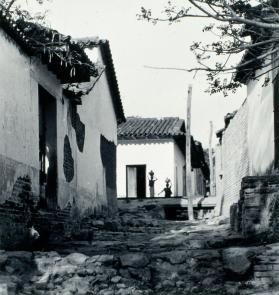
x,y
140,255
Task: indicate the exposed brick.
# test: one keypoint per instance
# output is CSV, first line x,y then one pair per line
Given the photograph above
x,y
235,157
276,267
263,267
259,203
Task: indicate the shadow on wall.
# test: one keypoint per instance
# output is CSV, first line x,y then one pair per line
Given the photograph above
x,y
68,162
108,156
78,126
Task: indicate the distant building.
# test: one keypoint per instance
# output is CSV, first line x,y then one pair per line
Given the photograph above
x,y
59,116
146,144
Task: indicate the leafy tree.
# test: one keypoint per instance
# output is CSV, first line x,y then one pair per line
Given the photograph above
x,y
241,26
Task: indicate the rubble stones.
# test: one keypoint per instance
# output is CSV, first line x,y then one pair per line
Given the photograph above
x,y
116,279
178,257
76,258
163,258
236,260
136,260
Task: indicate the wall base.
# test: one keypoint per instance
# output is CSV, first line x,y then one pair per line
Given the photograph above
x,y
257,211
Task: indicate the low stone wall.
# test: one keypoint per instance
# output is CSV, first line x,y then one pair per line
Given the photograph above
x,y
257,211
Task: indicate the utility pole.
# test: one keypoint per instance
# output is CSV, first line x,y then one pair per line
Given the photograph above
x,y
211,159
188,155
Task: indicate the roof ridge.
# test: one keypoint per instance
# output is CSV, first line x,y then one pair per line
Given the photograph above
x,y
139,128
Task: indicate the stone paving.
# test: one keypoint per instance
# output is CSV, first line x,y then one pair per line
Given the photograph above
x,y
141,253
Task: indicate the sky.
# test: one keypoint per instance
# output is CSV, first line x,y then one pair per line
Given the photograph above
x,y
135,44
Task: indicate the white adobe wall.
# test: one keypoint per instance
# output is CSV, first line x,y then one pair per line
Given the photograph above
x,y
97,113
179,163
248,142
157,155
260,126
19,148
219,178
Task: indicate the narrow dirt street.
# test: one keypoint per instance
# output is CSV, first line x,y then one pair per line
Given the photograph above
x,y
141,253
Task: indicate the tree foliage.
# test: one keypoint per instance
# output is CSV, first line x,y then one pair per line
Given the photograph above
x,y
250,28
16,10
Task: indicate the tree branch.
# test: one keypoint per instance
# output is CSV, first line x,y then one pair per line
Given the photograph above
x,y
10,5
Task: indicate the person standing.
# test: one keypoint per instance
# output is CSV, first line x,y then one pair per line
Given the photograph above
x,y
152,180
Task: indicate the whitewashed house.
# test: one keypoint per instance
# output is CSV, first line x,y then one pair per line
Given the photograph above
x,y
146,144
59,116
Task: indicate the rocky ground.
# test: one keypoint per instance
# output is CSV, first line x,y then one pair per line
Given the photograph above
x,y
141,253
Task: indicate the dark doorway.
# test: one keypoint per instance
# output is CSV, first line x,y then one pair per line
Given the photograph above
x,y
276,121
184,180
48,147
136,181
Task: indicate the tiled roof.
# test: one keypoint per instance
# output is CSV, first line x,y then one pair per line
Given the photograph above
x,y
113,83
65,58
142,128
104,46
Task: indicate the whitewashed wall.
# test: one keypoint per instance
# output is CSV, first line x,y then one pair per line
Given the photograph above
x,y
260,126
19,129
248,142
19,132
179,163
97,113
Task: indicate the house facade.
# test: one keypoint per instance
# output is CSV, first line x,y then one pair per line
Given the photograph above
x,y
158,145
58,132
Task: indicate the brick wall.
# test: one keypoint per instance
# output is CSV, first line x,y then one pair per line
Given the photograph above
x,y
257,211
234,157
266,268
16,220
22,210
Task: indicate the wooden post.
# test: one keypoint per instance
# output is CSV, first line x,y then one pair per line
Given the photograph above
x,y
211,160
188,155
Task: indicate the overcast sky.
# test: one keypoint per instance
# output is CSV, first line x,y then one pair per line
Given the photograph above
x,y
134,44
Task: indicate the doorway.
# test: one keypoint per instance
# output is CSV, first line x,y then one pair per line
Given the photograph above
x,y
48,147
276,121
136,181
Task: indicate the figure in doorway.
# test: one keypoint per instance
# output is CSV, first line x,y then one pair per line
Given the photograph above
x,y
167,189
152,180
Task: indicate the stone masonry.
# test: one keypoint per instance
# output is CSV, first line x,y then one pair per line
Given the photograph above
x,y
256,213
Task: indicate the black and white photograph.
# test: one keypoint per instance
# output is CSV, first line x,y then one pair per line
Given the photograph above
x,y
139,147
